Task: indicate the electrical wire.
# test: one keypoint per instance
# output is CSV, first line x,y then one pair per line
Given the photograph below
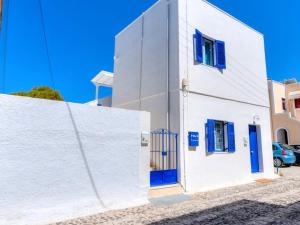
x,y
5,40
46,43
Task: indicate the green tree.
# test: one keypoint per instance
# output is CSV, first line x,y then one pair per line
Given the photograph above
x,y
41,92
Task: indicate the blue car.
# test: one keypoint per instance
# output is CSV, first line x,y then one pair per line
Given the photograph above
x,y
283,155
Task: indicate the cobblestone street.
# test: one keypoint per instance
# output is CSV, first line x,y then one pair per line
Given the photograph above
x,y
277,202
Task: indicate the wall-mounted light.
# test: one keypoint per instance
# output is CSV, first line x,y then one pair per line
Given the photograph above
x,y
256,119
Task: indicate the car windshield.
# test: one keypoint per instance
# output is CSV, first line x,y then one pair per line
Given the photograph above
x,y
287,147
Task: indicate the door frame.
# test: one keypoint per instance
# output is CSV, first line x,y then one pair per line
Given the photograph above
x,y
254,156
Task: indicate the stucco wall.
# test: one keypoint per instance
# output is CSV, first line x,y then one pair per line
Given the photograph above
x,y
62,160
207,171
291,125
277,92
145,53
235,94
245,78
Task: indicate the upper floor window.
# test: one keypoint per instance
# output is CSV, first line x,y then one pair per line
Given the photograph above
x,y
208,50
297,103
283,104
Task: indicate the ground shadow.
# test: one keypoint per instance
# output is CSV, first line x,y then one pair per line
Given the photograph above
x,y
241,212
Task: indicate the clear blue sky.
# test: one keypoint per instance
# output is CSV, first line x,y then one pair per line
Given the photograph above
x,y
81,40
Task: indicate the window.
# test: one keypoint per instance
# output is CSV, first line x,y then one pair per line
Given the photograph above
x,y
208,50
283,104
297,103
220,136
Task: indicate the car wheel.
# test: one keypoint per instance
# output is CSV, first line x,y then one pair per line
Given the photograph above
x,y
278,162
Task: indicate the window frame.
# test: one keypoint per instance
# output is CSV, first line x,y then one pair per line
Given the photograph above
x,y
206,39
224,136
297,103
283,102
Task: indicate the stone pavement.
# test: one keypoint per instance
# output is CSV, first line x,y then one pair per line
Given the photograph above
x,y
277,202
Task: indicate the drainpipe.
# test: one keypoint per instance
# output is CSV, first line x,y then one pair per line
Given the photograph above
x,y
185,96
168,66
141,63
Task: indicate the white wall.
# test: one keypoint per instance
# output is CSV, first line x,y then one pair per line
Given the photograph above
x,y
143,59
245,78
235,94
62,160
207,171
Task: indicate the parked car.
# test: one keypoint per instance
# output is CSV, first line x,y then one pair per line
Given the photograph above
x,y
297,147
297,153
283,155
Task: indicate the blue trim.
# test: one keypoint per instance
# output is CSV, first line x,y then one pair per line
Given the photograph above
x,y
230,137
211,135
163,177
199,44
220,54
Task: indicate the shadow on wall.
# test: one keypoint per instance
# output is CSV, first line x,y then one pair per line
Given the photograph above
x,y
241,212
82,152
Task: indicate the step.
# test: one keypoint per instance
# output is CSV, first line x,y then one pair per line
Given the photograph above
x,y
163,191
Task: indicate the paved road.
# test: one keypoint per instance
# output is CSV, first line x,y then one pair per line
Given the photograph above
x,y
277,202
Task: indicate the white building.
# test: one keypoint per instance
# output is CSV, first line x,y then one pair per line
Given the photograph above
x,y
197,69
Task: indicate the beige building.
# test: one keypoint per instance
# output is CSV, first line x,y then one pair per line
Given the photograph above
x,y
285,111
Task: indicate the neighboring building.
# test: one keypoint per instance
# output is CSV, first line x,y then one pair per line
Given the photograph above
x,y
285,111
202,75
102,80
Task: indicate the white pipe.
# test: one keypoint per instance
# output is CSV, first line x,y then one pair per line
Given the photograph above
x,y
141,64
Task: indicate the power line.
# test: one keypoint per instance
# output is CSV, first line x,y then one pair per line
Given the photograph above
x,y
46,43
5,40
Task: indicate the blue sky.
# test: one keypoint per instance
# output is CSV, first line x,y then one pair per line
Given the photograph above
x,y
81,40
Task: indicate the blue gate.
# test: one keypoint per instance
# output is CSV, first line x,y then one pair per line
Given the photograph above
x,y
163,158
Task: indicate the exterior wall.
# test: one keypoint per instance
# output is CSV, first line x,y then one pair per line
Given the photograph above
x,y
245,78
62,160
146,64
289,119
241,91
294,111
278,92
206,171
292,126
235,94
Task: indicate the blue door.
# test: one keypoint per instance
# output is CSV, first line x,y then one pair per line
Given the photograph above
x,y
163,158
253,149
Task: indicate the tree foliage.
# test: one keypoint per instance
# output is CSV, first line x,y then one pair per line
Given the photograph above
x,y
41,92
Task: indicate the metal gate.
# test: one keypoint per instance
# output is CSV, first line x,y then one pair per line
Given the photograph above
x,y
163,158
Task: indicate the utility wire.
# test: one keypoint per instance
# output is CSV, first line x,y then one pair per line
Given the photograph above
x,y
5,40
46,43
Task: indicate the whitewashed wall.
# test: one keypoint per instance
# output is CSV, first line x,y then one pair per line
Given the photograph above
x,y
145,53
235,94
209,171
62,160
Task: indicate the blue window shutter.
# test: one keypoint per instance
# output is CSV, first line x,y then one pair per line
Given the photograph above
x,y
198,46
210,135
231,137
220,54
